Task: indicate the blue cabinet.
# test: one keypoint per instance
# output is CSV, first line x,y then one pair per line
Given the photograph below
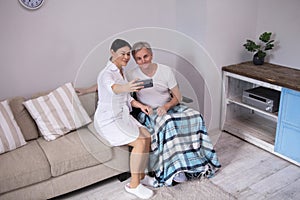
x,y
287,140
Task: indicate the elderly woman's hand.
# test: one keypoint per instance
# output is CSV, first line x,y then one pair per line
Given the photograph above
x,y
161,110
147,109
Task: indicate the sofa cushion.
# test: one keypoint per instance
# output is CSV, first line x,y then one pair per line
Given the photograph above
x,y
11,136
23,118
76,150
23,166
58,112
89,102
92,129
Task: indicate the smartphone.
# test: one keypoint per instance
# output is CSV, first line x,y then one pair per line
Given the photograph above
x,y
146,83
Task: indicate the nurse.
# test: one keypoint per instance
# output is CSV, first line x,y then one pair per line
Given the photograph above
x,y
113,120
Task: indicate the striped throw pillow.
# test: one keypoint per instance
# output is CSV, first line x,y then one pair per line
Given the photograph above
x,y
58,113
11,136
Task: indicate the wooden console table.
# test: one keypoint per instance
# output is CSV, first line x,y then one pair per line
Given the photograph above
x,y
276,132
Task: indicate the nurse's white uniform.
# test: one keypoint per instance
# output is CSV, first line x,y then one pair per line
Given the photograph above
x,y
112,117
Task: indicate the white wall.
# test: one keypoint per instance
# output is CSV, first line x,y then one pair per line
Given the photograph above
x,y
220,27
283,19
43,49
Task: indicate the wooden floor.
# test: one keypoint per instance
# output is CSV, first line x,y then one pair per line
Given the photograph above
x,y
247,172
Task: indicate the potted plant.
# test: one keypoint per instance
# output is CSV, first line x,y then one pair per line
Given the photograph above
x,y
260,49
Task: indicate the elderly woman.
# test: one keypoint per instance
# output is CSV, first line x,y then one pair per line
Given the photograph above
x,y
113,120
179,141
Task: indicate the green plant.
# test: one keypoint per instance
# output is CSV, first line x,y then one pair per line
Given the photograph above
x,y
264,45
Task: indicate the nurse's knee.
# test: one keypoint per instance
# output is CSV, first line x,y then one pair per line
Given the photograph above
x,y
140,144
144,133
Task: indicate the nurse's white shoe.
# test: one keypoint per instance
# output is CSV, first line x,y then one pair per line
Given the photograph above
x,y
148,181
140,191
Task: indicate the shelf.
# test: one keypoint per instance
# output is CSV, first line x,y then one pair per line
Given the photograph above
x,y
237,100
254,129
253,81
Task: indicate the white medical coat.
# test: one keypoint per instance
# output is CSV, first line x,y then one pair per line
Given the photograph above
x,y
112,117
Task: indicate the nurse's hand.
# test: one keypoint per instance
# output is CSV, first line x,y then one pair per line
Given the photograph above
x,y
128,87
132,86
147,109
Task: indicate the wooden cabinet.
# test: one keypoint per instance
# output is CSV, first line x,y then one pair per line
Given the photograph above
x,y
258,126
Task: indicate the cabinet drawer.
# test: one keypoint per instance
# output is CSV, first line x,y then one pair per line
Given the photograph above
x,y
288,142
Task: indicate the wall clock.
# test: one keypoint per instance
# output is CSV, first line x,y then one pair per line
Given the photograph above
x,y
31,4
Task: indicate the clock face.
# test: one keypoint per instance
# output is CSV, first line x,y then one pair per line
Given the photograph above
x,y
32,4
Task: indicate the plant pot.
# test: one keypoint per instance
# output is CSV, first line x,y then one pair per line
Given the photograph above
x,y
258,60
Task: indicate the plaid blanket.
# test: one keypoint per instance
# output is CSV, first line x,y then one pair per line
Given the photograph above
x,y
179,143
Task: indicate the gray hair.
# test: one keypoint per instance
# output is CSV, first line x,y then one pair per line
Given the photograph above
x,y
138,46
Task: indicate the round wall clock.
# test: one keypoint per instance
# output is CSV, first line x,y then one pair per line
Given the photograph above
x,y
31,4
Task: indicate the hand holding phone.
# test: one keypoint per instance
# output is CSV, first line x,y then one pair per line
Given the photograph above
x,y
146,83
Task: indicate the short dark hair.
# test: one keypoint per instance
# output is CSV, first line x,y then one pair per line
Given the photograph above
x,y
119,43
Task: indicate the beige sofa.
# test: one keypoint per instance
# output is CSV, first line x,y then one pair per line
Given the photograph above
x,y
42,169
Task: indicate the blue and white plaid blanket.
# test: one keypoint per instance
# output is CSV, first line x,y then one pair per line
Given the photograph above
x,y
179,143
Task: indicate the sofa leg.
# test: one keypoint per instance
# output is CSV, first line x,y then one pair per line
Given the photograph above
x,y
124,176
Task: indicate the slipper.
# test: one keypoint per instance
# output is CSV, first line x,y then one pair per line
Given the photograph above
x,y
180,177
148,181
140,191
